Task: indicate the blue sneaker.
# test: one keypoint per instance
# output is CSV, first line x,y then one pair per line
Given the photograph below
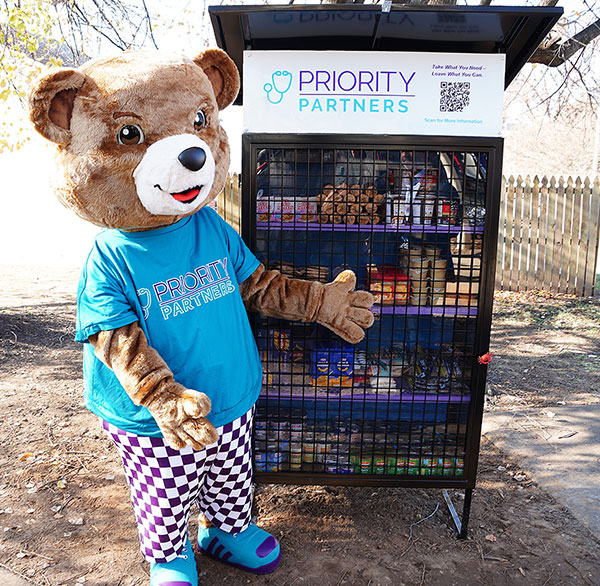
x,y
179,572
252,550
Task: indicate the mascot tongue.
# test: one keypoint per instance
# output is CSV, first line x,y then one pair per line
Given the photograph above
x,y
187,195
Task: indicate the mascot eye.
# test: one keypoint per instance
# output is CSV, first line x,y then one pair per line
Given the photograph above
x,y
130,134
200,120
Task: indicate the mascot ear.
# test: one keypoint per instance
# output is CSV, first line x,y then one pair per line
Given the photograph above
x,y
222,73
51,103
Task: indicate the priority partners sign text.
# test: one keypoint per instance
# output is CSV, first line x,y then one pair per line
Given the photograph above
x,y
373,92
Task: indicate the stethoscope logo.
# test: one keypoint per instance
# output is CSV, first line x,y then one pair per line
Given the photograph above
x,y
281,83
145,303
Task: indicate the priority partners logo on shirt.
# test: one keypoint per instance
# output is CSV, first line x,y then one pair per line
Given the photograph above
x,y
180,294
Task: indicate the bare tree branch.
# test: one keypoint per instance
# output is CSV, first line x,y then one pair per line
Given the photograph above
x,y
557,54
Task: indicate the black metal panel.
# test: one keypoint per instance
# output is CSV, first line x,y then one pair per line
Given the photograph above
x,y
408,411
515,31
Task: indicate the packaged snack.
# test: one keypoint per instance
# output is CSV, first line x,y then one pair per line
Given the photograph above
x,y
388,284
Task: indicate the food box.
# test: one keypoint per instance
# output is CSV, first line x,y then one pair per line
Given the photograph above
x,y
286,209
333,365
462,300
462,288
389,285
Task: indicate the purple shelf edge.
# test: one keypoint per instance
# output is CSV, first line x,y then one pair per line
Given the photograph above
x,y
401,397
446,310
413,228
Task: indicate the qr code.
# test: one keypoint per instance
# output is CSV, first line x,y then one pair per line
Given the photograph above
x,y
454,96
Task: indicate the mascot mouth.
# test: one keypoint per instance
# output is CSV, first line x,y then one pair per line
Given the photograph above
x,y
187,196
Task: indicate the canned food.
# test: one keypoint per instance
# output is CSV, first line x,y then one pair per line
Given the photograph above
x,y
366,465
321,448
278,446
413,462
260,434
431,471
427,462
400,465
339,469
448,463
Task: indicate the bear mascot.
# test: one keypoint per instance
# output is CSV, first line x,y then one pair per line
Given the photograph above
x,y
172,373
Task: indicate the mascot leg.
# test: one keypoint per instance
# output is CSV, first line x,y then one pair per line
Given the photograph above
x,y
164,483
225,501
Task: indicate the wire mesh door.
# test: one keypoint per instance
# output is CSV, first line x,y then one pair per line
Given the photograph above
x,y
410,223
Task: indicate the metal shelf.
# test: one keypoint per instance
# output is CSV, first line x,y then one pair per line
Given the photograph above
x,y
436,310
397,396
412,228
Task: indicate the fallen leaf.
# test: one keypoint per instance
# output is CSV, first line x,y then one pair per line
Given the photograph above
x,y
61,483
76,520
491,537
26,456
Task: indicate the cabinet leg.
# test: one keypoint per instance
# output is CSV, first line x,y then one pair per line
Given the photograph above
x,y
461,525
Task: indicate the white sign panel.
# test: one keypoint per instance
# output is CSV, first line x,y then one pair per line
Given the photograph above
x,y
444,94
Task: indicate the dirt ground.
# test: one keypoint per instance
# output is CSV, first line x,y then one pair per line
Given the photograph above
x,y
65,517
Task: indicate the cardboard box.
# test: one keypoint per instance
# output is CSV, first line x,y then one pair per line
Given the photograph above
x,y
333,365
462,287
289,209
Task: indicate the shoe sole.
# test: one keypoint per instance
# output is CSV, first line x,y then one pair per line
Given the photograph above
x,y
266,569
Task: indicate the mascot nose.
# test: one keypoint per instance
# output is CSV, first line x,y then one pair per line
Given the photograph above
x,y
192,158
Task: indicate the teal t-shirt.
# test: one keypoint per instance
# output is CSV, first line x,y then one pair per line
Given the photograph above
x,y
181,283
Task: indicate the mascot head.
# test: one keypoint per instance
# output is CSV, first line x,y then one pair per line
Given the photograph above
x,y
138,137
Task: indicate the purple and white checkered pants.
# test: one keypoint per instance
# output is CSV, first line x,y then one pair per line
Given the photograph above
x,y
165,482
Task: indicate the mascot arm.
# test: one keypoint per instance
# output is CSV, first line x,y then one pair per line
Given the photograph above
x,y
335,305
179,412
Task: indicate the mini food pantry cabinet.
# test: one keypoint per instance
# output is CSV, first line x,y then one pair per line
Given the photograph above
x,y
388,164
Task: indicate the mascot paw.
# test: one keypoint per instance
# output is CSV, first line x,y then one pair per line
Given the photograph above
x,y
197,433
181,417
344,311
